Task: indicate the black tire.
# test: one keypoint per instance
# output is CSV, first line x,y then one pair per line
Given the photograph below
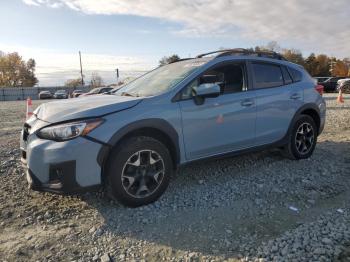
x,y
121,187
291,150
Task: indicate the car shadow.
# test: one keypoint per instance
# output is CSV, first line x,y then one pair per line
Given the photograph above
x,y
213,207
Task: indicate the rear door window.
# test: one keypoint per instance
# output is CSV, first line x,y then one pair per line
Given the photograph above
x,y
267,75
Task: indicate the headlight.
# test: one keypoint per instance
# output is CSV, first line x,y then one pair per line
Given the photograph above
x,y
68,131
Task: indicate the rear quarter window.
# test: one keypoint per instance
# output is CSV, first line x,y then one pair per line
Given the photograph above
x,y
296,74
286,76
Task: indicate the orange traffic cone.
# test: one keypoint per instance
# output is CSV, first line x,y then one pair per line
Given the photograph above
x,y
29,108
340,98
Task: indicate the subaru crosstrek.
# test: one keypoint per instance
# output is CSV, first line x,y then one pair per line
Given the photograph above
x,y
130,142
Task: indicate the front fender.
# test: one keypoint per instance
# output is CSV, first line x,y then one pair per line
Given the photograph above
x,y
155,123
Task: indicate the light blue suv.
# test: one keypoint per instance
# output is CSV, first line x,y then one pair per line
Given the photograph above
x,y
217,104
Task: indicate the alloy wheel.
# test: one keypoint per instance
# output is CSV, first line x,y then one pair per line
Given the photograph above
x,y
304,138
143,173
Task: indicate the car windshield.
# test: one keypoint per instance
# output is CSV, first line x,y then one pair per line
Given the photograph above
x,y
61,92
161,79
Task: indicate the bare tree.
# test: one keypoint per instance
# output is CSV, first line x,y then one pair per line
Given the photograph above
x,y
96,80
168,59
73,82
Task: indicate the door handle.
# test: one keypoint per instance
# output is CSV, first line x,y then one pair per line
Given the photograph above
x,y
247,103
295,96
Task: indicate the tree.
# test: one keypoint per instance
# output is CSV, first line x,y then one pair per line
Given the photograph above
x,y
16,72
294,56
323,65
96,80
311,64
340,69
347,62
30,79
272,46
73,83
316,65
168,60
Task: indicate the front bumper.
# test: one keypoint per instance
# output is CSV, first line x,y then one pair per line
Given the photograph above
x,y
64,185
61,167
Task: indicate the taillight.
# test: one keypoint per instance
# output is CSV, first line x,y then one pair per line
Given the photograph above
x,y
319,89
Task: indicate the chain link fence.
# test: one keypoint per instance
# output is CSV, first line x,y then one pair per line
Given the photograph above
x,y
22,93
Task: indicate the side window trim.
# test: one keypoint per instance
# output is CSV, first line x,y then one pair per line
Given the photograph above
x,y
247,83
287,71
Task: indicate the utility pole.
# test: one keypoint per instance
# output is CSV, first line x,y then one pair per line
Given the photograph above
x,y
81,71
117,72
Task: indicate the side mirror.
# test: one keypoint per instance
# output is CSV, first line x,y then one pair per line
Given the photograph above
x,y
203,91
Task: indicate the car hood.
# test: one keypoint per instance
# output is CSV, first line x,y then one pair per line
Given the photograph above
x,y
90,106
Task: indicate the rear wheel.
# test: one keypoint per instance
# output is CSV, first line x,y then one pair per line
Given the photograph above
x,y
138,171
346,89
302,138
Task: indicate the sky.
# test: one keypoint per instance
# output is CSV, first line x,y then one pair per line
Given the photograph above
x,y
133,35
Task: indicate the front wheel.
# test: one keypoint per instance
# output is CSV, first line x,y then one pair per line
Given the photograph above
x,y
302,138
138,171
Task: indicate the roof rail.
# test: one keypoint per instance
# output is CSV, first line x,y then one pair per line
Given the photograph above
x,y
219,51
242,51
182,59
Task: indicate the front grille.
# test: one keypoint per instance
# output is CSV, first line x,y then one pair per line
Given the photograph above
x,y
26,129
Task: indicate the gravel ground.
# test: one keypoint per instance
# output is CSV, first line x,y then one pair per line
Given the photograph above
x,y
256,207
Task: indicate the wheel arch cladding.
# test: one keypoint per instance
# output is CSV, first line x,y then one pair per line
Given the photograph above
x,y
314,115
308,109
158,129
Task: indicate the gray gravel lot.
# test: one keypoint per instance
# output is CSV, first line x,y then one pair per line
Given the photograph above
x,y
256,207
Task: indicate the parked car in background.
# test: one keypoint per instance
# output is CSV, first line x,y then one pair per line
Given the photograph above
x,y
61,94
321,79
329,83
221,103
344,85
77,93
97,90
45,95
113,91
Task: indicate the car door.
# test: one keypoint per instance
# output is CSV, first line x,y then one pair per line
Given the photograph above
x,y
221,124
275,101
